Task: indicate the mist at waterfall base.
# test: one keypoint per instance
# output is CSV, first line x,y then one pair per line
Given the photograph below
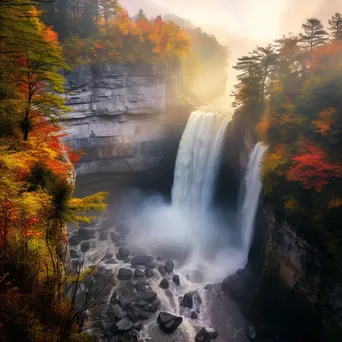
x,y
206,243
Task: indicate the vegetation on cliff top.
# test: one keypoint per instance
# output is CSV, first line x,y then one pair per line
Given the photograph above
x,y
36,175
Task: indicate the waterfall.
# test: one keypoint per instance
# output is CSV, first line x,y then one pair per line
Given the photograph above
x,y
198,160
252,188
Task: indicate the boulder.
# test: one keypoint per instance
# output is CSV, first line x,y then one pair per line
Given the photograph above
x,y
74,240
141,260
208,287
169,266
127,299
164,284
85,234
85,246
138,274
206,335
141,303
123,325
234,284
149,296
148,272
140,286
125,274
194,315
115,313
168,322
123,253
187,301
162,270
110,262
115,237
73,254
176,280
142,313
251,333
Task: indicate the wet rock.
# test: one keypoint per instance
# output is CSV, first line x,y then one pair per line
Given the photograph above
x,y
168,322
141,260
176,280
164,284
162,270
125,274
85,234
127,299
127,260
73,254
138,274
85,246
154,306
142,313
111,262
194,315
109,256
138,325
149,296
187,301
123,253
115,313
74,240
103,236
206,335
234,284
141,303
140,286
169,266
251,333
159,259
148,272
123,325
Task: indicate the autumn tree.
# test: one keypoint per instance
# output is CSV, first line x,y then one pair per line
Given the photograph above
x,y
335,26
314,34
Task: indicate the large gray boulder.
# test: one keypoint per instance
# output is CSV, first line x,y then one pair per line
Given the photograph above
x,y
168,322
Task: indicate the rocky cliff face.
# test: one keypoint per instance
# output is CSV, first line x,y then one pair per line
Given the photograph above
x,y
118,116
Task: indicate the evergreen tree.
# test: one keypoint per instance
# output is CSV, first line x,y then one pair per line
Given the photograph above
x,y
335,26
314,34
141,16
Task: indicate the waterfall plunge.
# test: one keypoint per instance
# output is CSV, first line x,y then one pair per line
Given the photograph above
x,y
198,161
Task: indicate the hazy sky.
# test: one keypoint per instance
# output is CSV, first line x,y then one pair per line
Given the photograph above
x,y
256,19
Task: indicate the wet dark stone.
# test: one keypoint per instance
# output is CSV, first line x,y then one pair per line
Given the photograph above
x,y
159,259
194,315
141,303
206,335
142,313
103,236
116,313
162,270
149,296
187,301
123,325
85,234
123,253
110,262
73,254
155,306
127,299
169,266
251,333
140,286
208,287
109,256
74,240
141,260
127,260
125,274
164,284
176,280
149,273
85,246
138,274
168,322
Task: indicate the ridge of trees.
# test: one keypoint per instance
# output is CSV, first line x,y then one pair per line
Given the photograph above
x,y
36,174
290,92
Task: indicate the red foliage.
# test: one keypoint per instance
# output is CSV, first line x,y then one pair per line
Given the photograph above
x,y
312,169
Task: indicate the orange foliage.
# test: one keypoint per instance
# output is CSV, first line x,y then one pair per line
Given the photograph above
x,y
312,169
326,120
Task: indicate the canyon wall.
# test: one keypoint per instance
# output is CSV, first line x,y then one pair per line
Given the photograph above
x,y
120,116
